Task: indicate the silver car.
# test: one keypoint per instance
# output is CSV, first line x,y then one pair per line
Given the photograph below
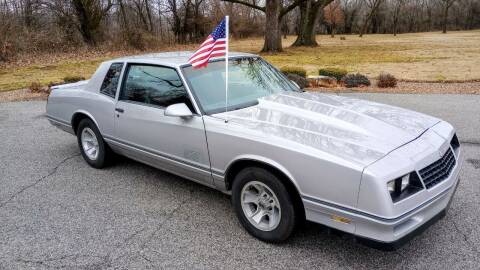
x,y
378,172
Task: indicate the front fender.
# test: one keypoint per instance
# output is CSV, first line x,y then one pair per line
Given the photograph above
x,y
264,160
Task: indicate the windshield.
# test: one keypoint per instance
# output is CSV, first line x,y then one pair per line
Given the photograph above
x,y
249,78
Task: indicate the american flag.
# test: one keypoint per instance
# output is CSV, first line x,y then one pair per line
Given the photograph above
x,y
214,46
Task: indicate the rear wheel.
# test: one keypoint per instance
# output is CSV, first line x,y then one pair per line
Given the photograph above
x,y
263,205
92,146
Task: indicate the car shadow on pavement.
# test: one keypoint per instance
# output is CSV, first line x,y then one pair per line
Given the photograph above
x,y
309,235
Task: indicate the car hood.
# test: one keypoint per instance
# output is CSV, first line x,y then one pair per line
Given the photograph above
x,y
355,130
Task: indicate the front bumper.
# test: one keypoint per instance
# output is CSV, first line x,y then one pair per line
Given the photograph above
x,y
379,232
389,246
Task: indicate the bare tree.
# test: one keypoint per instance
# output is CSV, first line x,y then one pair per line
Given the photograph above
x,y
333,15
447,4
372,7
308,19
37,26
397,6
274,11
350,10
90,13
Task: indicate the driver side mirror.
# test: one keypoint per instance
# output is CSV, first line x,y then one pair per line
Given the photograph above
x,y
178,110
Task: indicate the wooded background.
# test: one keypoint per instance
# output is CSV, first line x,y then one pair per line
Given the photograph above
x,y
36,26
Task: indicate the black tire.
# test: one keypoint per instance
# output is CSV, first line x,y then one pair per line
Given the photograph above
x,y
288,217
104,152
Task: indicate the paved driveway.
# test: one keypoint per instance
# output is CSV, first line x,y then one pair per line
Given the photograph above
x,y
57,212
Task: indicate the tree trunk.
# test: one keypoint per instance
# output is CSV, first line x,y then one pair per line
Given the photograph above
x,y
395,22
124,20
139,7
374,24
274,12
366,24
84,20
349,19
445,18
364,28
149,16
309,10
306,28
273,35
28,13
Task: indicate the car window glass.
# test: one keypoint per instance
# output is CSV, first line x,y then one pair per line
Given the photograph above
x,y
154,85
249,78
110,83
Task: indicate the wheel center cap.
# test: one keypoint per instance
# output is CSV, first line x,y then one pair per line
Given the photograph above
x,y
264,202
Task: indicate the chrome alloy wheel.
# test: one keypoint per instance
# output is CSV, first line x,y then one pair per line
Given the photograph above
x,y
89,143
261,206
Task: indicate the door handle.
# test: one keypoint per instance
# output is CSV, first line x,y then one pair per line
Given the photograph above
x,y
120,110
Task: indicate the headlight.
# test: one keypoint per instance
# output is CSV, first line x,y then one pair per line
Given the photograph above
x,y
404,186
405,182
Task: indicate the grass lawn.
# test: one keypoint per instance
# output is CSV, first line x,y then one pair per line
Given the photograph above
x,y
420,56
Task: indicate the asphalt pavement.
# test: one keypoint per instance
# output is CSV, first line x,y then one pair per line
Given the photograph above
x,y
57,212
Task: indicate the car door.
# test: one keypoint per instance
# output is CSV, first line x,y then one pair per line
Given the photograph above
x,y
143,131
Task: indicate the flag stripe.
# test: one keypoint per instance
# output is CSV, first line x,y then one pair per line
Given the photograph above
x,y
206,50
215,54
206,53
214,46
205,60
207,47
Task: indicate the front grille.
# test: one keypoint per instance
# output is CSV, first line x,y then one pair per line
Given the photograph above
x,y
439,170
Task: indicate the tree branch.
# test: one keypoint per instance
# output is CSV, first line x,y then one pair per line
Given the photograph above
x,y
321,3
293,5
107,8
245,4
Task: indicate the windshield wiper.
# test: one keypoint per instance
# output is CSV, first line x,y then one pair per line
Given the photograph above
x,y
244,105
233,107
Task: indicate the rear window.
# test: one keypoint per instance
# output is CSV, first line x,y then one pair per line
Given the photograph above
x,y
110,83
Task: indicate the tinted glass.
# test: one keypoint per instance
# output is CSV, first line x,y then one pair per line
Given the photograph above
x,y
154,85
249,78
110,83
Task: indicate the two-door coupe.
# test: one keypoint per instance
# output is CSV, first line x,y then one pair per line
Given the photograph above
x,y
378,172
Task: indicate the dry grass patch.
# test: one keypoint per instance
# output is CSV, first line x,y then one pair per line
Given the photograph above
x,y
17,78
420,56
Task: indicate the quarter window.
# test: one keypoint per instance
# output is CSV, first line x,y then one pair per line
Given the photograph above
x,y
154,85
110,83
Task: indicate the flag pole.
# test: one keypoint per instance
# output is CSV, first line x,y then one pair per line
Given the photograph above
x,y
226,62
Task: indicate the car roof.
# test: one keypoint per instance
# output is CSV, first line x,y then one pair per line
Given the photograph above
x,y
173,59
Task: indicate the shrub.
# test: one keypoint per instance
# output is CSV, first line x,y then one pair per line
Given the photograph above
x,y
336,73
355,80
343,38
73,79
386,80
328,82
294,70
35,87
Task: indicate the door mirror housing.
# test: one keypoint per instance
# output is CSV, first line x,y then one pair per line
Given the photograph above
x,y
178,110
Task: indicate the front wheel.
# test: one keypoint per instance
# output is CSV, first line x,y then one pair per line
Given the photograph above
x,y
92,146
263,205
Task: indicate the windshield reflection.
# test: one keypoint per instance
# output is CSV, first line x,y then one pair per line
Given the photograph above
x,y
250,78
